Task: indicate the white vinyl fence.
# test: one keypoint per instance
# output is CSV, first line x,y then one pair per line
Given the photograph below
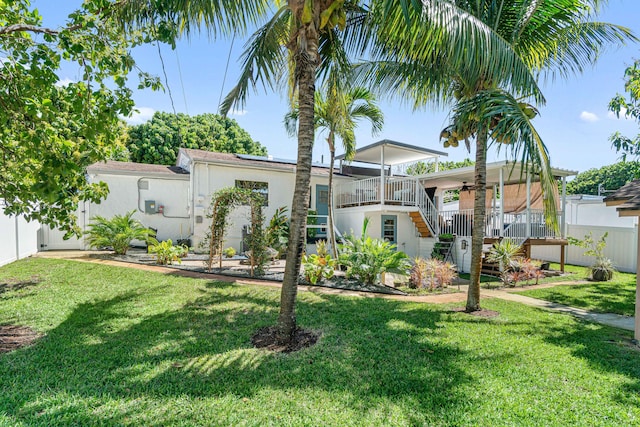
x,y
18,238
622,247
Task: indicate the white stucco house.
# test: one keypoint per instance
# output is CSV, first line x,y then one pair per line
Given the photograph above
x,y
406,210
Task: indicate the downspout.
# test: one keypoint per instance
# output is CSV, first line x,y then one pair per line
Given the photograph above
x,y
17,238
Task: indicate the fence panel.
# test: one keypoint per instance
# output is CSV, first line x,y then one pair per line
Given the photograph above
x,y
621,247
18,238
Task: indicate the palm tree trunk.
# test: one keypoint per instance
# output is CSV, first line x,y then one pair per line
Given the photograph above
x,y
477,238
332,234
306,61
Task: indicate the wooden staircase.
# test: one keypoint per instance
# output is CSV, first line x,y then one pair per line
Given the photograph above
x,y
421,226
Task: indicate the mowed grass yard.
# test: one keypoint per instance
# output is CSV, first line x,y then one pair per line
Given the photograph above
x,y
615,296
126,347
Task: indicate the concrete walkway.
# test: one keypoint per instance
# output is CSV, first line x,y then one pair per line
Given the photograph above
x,y
609,319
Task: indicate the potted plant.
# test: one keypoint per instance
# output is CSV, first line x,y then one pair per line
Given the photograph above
x,y
602,269
446,237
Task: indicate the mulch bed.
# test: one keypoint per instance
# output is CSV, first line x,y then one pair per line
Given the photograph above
x,y
13,337
479,313
266,338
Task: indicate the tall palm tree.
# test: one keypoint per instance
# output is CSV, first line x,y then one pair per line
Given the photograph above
x,y
309,38
337,111
555,38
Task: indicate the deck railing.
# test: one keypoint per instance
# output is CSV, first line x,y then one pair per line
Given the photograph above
x,y
401,191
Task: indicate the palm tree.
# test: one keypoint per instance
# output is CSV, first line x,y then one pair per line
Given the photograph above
x,y
337,113
489,106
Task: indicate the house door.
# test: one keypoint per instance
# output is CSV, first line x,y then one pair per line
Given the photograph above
x,y
322,208
390,228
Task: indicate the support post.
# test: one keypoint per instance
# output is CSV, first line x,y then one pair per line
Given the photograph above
x,y
528,233
382,175
562,252
501,231
494,210
563,217
636,330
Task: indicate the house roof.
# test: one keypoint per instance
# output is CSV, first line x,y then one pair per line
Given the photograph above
x,y
512,173
395,153
130,168
249,161
626,199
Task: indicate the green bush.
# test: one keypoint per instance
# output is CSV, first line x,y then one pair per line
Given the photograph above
x,y
229,252
167,253
277,233
366,258
118,232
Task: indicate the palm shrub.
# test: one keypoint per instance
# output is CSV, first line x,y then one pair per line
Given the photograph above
x,y
602,269
505,253
118,232
366,258
277,232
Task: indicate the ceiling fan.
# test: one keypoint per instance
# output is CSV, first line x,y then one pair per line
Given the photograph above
x,y
465,187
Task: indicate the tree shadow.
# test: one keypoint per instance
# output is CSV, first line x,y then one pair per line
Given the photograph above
x,y
370,350
602,298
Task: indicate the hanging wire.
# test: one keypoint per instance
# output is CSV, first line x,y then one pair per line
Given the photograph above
x,y
184,94
226,69
166,79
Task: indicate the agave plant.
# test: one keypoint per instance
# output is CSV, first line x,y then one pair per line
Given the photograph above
x,y
505,253
118,232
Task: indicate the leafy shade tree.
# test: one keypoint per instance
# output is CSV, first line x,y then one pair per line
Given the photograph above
x,y
158,140
51,131
629,107
337,111
609,177
490,102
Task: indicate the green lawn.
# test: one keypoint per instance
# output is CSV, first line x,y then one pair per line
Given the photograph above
x,y
615,296
125,347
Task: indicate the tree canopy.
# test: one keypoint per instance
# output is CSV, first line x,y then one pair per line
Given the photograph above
x,y
421,168
51,131
158,140
628,106
611,177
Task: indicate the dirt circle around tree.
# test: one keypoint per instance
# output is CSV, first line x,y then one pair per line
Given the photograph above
x,y
267,338
13,337
487,314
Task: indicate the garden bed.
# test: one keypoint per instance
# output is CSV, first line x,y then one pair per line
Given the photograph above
x,y
234,267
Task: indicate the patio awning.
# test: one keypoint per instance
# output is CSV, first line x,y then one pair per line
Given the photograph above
x,y
395,153
513,173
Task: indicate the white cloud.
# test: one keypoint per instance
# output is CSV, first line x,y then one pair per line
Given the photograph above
x,y
238,112
586,116
64,82
140,115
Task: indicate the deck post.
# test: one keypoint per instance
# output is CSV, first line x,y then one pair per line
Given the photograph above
x,y
494,208
382,175
563,218
528,232
501,231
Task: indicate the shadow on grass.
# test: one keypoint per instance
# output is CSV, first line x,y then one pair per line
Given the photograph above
x,y
370,349
599,297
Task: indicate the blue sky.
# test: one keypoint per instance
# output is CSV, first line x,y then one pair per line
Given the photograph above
x,y
574,123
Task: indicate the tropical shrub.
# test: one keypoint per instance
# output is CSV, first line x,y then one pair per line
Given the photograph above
x,y
431,274
602,269
524,269
118,232
166,253
229,252
366,258
319,266
505,253
277,232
